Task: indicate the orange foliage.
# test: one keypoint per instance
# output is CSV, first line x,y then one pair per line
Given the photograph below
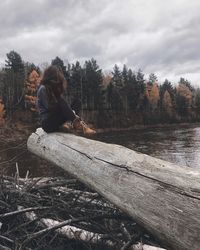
x,y
31,90
167,102
107,79
2,113
183,90
152,93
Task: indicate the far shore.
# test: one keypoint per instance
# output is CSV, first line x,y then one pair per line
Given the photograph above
x,y
140,126
23,131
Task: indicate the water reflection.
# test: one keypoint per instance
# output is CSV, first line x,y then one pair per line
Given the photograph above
x,y
178,145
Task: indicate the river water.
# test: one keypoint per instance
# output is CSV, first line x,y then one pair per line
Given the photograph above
x,y
177,144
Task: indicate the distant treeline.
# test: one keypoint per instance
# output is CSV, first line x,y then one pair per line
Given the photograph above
x,y
120,98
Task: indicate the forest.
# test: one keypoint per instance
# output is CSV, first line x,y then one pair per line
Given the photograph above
x,y
120,98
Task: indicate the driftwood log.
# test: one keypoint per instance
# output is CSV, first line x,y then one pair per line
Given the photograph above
x,y
162,197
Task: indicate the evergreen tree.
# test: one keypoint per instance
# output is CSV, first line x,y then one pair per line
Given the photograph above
x,y
14,81
167,86
181,105
60,64
75,82
92,84
117,77
124,75
14,62
131,88
140,89
140,80
197,100
152,78
109,92
117,89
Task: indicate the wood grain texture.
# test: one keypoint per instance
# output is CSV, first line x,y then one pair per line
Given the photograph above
x,y
161,196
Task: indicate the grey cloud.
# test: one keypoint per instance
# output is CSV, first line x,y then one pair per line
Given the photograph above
x,y
156,36
85,48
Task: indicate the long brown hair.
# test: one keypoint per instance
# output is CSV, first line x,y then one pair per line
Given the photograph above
x,y
55,83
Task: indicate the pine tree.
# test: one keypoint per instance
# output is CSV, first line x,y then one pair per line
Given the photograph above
x,y
117,77
75,83
60,64
152,78
197,100
14,82
92,84
14,62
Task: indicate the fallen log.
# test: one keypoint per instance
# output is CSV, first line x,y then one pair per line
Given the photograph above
x,y
162,197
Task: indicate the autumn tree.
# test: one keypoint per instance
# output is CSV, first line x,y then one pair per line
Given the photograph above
x,y
185,82
184,98
154,96
29,67
185,91
31,86
106,78
2,112
167,103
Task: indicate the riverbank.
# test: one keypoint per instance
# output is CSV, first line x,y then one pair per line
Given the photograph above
x,y
20,131
138,127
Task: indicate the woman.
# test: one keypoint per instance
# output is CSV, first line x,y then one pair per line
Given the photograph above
x,y
53,109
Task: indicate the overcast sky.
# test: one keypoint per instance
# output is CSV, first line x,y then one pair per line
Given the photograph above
x,y
161,37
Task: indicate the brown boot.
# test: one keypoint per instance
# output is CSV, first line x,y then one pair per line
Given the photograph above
x,y
81,126
77,124
66,127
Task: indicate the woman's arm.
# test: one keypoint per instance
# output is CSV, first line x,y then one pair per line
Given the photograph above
x,y
42,100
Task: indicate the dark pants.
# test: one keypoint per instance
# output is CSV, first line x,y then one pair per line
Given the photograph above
x,y
58,114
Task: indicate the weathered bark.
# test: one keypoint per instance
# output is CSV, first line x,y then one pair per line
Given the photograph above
x,y
159,195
